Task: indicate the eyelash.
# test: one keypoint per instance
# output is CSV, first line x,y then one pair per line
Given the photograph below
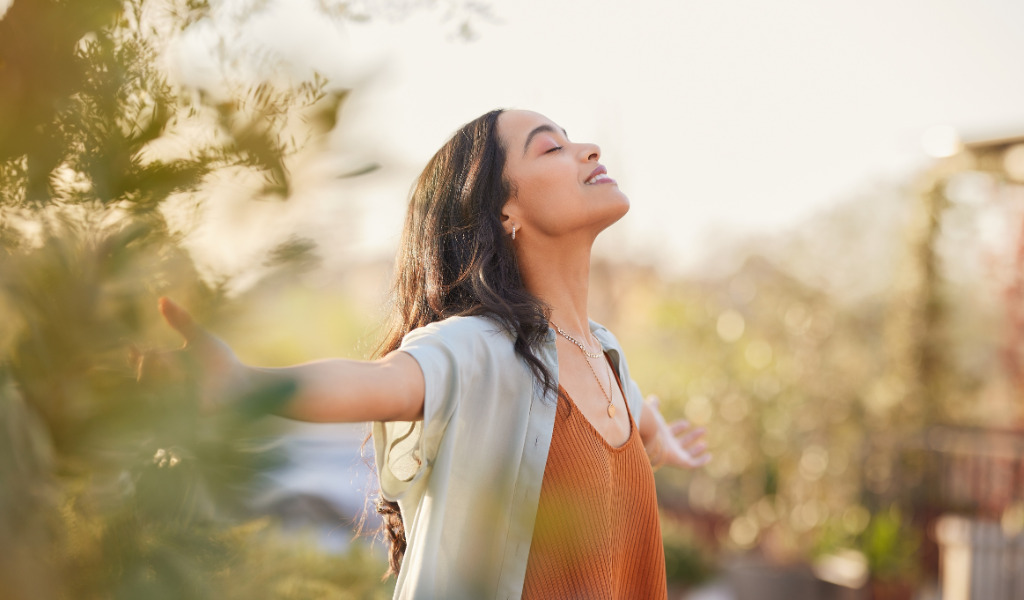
x,y
553,149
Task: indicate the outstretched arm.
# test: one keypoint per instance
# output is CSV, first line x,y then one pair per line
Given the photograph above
x,y
337,390
678,444
326,391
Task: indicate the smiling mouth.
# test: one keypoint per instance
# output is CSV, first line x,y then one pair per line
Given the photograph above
x,y
599,177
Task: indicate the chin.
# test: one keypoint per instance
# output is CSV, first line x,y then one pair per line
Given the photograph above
x,y
616,212
623,205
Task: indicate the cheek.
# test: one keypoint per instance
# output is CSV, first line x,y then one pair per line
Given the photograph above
x,y
548,189
551,200
545,195
553,214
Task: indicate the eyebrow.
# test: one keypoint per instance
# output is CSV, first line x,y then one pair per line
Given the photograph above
x,y
540,129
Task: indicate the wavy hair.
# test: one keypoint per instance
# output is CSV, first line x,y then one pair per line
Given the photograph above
x,y
455,259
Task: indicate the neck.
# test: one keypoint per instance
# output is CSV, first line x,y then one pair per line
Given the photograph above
x,y
560,283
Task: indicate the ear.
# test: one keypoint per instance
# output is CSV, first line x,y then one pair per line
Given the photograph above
x,y
510,217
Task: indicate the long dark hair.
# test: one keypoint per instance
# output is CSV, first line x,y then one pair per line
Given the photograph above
x,y
456,259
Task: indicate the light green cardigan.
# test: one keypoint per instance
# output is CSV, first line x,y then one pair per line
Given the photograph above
x,y
468,476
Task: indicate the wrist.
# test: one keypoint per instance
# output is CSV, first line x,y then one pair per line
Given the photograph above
x,y
656,452
226,382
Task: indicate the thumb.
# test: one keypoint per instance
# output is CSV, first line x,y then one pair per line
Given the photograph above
x,y
178,318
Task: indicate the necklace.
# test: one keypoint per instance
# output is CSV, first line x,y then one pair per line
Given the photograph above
x,y
611,407
587,356
577,342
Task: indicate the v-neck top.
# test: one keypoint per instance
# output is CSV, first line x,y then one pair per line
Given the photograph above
x,y
597,534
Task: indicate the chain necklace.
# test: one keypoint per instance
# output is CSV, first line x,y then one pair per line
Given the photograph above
x,y
587,356
577,342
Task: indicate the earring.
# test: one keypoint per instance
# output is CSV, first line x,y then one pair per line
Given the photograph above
x,y
513,232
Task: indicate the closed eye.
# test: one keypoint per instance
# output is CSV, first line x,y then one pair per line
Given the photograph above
x,y
553,150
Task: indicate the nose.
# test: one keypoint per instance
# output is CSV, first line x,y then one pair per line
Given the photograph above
x,y
590,152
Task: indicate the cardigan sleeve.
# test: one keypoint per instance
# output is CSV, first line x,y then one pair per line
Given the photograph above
x,y
405,450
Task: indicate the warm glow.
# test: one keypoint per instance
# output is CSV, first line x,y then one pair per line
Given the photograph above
x,y
1013,162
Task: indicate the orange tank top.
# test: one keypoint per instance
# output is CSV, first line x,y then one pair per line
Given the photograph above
x,y
597,534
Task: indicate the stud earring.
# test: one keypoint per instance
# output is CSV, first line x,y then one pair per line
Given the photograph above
x,y
513,232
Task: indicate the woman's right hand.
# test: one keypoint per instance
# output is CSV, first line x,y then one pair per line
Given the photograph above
x,y
204,356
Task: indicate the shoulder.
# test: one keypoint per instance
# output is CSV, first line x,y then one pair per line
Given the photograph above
x,y
468,332
605,336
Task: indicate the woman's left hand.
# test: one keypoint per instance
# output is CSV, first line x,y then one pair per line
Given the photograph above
x,y
677,444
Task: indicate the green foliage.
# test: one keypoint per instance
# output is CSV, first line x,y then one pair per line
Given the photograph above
x,y
688,563
91,103
891,545
112,486
88,100
776,370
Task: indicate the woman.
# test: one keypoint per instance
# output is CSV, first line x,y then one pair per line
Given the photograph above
x,y
513,450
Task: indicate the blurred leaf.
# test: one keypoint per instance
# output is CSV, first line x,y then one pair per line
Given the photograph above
x,y
294,252
891,546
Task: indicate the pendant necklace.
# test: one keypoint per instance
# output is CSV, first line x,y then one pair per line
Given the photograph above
x,y
587,355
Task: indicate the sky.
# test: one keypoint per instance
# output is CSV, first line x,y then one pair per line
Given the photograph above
x,y
716,118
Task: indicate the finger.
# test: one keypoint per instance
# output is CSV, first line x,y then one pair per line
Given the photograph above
x,y
697,449
134,356
695,458
178,318
157,366
145,363
680,426
688,439
701,460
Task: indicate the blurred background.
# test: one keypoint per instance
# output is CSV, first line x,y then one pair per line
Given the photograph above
x,y
823,264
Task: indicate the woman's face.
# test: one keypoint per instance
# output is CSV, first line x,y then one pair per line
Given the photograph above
x,y
560,188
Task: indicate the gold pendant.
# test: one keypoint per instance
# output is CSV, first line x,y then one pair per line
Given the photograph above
x,y
611,411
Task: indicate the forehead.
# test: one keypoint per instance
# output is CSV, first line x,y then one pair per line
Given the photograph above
x,y
515,125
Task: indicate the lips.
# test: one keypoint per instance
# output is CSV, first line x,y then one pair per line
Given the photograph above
x,y
599,175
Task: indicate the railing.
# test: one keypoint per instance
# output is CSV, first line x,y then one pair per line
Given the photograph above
x,y
970,495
